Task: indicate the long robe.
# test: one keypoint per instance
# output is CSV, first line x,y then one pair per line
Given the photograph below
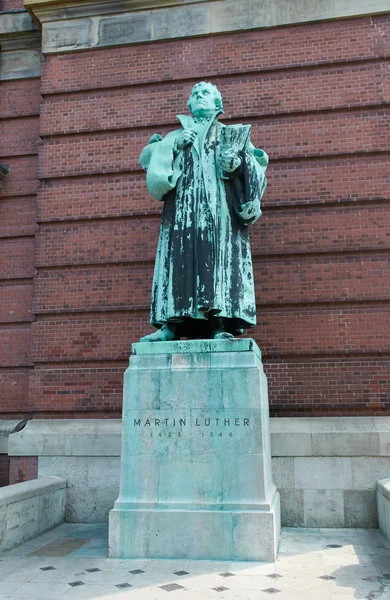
x,y
203,264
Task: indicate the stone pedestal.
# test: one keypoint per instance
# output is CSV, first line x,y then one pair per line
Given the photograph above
x,y
196,463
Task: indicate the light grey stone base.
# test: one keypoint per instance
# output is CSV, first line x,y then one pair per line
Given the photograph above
x,y
30,508
383,500
196,476
212,535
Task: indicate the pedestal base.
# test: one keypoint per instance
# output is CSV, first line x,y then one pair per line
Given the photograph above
x,y
201,534
196,462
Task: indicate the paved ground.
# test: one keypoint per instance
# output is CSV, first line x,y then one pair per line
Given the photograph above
x,y
314,564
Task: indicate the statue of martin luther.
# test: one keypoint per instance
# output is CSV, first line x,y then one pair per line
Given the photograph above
x,y
211,179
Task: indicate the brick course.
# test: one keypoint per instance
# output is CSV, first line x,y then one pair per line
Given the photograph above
x,y
311,181
16,301
341,133
17,216
19,136
16,257
26,91
4,470
251,51
14,390
246,97
316,331
279,280
23,468
287,231
22,177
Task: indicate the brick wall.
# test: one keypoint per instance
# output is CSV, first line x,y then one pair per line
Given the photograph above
x,y
23,468
317,97
19,122
4,470
11,5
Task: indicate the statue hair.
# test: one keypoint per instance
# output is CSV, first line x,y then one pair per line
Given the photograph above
x,y
217,94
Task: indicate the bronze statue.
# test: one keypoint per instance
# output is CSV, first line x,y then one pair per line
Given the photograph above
x,y
211,179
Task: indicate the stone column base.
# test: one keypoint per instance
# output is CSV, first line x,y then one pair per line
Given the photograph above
x,y
196,534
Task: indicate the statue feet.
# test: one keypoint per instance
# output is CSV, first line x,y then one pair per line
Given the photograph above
x,y
165,334
221,334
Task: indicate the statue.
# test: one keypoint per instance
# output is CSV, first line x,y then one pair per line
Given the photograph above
x,y
211,179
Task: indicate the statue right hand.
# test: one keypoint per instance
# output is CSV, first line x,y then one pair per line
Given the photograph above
x,y
185,138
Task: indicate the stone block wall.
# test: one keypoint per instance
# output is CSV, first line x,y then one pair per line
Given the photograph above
x,y
325,469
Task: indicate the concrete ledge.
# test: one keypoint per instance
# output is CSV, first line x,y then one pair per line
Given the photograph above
x,y
68,25
68,437
20,41
30,508
6,426
383,503
12,23
383,487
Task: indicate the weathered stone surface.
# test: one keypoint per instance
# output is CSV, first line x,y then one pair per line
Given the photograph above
x,y
167,19
346,444
16,23
204,469
20,55
383,504
93,483
291,504
360,509
77,34
68,437
291,444
283,472
319,473
193,19
30,508
323,508
367,470
6,426
122,28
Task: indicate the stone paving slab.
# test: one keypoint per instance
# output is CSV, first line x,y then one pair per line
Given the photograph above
x,y
70,562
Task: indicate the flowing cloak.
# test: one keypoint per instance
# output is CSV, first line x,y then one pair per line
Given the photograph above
x,y
203,263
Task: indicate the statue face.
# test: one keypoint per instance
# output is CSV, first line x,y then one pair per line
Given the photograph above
x,y
202,101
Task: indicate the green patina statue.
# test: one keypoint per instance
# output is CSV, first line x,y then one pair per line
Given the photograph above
x,y
211,179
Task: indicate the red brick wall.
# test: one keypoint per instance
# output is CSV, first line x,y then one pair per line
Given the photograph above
x,y
23,468
4,470
11,4
316,96
19,122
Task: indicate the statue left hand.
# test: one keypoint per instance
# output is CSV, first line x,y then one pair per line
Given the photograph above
x,y
229,161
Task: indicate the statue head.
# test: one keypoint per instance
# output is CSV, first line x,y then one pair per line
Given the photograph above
x,y
205,100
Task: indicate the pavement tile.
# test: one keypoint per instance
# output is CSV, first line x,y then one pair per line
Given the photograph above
x,y
358,560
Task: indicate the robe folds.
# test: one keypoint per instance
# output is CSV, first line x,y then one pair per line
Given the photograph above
x,y
203,263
